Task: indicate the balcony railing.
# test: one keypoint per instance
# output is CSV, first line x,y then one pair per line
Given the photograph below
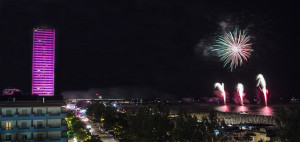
x,y
39,127
39,114
51,126
23,127
54,114
34,129
32,117
23,115
7,115
50,140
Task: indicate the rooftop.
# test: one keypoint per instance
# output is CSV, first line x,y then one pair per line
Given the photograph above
x,y
30,100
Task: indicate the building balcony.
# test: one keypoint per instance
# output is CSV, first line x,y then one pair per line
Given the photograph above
x,y
50,140
34,129
44,140
23,115
33,117
8,115
39,114
22,127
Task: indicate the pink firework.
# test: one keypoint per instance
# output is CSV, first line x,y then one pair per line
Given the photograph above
x,y
240,90
262,83
220,87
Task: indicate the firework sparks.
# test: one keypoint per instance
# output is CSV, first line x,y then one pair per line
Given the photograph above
x,y
240,90
233,48
220,87
263,87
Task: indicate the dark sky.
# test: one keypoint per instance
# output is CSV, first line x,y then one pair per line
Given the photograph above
x,y
151,44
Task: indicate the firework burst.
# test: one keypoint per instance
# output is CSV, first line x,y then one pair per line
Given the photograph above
x,y
233,48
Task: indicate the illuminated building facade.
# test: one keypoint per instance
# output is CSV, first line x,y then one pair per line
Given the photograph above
x,y
43,61
11,91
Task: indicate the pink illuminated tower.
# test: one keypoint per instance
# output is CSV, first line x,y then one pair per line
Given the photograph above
x,y
43,61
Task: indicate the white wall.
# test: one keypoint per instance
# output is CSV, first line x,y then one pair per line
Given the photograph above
x,y
54,122
35,134
21,134
35,122
13,124
13,136
36,108
54,110
27,108
13,110
54,135
28,123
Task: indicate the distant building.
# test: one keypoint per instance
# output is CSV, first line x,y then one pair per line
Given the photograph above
x,y
35,120
43,61
11,91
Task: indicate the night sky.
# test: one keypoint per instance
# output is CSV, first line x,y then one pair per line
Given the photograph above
x,y
151,48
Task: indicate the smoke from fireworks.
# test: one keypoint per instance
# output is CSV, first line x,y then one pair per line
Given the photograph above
x,y
233,48
262,83
240,90
220,87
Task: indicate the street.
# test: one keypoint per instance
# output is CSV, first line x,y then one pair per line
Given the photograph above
x,y
103,136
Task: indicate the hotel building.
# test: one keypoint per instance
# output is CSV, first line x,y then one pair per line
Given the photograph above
x,y
43,61
32,121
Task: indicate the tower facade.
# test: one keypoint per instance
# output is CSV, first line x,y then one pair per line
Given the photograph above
x,y
43,59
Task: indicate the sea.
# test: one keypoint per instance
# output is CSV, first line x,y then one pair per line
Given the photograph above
x,y
269,110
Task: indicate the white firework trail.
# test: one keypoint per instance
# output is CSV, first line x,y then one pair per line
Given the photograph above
x,y
261,82
240,89
220,87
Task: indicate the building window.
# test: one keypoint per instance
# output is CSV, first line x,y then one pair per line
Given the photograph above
x,y
24,137
24,111
8,126
40,136
23,125
8,112
8,137
39,124
39,111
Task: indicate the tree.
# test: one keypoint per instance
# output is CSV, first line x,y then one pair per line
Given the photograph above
x,y
248,136
142,125
211,125
75,125
146,124
186,127
161,124
82,134
110,117
289,124
95,111
94,139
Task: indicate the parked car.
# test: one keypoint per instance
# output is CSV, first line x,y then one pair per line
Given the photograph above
x,y
110,133
101,130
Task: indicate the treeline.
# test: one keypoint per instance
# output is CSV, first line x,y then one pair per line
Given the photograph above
x,y
288,121
152,124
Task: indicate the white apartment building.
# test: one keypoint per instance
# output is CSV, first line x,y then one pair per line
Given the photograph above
x,y
32,121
